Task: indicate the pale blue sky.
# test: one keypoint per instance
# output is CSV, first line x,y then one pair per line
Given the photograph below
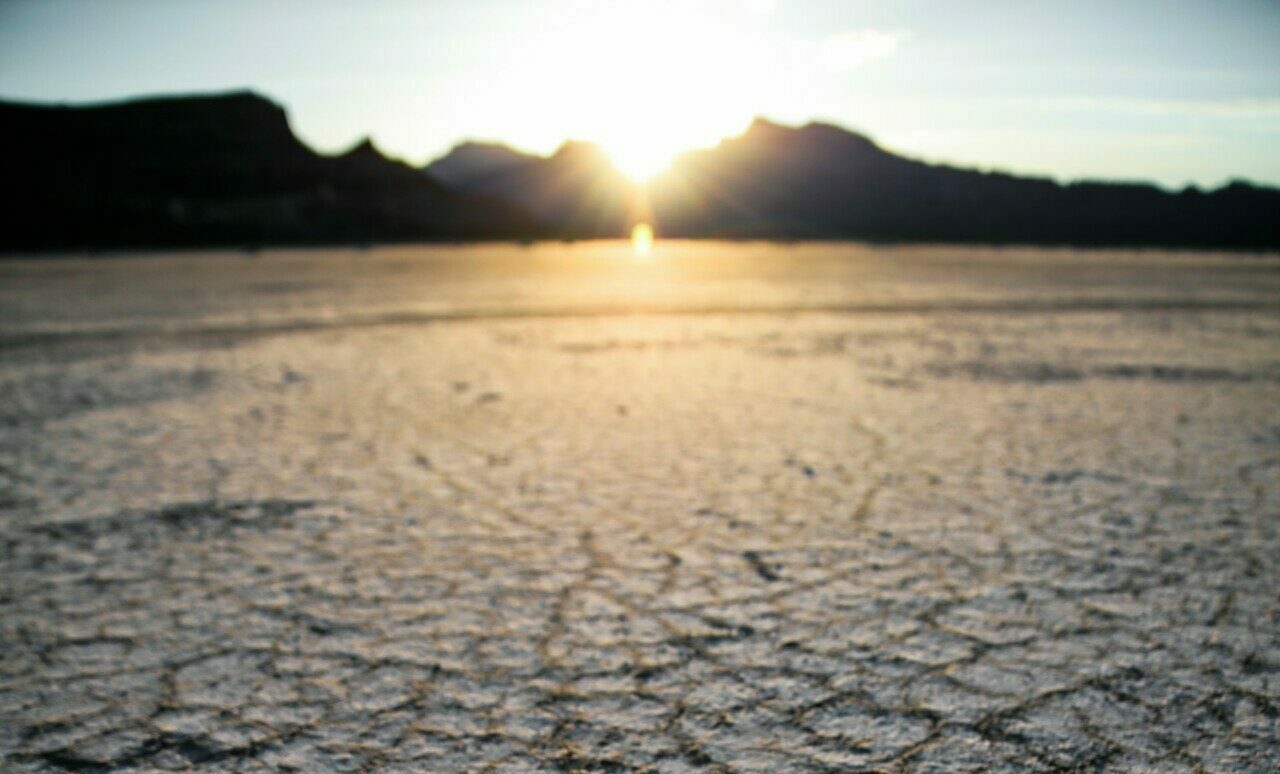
x,y
1170,91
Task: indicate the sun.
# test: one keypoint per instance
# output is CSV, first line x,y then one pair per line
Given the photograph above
x,y
645,82
640,158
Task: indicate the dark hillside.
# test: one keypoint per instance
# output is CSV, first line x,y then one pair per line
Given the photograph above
x,y
214,170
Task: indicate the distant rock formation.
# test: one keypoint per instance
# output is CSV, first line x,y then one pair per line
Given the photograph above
x,y
227,170
821,181
471,163
215,170
576,192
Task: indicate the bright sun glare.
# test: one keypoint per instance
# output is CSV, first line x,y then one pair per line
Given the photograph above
x,y
640,160
656,88
642,239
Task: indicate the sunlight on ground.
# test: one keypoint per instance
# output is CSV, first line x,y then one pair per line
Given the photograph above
x,y
642,239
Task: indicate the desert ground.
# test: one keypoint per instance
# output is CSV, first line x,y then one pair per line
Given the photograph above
x,y
728,508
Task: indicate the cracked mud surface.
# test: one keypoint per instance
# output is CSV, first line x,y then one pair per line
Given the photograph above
x,y
816,509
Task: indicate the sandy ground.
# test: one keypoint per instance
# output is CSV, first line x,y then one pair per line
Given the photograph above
x,y
734,508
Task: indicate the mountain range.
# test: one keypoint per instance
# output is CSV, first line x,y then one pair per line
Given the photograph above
x,y
227,170
216,170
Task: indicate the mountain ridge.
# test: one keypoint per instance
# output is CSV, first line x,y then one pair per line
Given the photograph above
x,y
227,169
575,192
220,169
821,181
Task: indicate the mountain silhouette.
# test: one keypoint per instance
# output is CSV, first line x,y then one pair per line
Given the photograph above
x,y
216,170
576,192
227,170
469,163
821,181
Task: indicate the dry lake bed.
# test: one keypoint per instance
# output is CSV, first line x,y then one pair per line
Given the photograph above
x,y
733,507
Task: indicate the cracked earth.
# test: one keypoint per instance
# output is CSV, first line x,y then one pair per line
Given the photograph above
x,y
740,508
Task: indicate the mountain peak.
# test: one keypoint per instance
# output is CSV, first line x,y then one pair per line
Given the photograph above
x,y
580,150
764,126
364,149
482,146
766,130
484,154
469,162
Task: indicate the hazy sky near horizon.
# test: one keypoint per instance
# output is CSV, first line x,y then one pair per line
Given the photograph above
x,y
1171,91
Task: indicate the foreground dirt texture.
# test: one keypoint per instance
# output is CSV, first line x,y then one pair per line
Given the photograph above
x,y
254,521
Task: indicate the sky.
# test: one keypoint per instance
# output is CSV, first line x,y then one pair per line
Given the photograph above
x,y
1171,91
